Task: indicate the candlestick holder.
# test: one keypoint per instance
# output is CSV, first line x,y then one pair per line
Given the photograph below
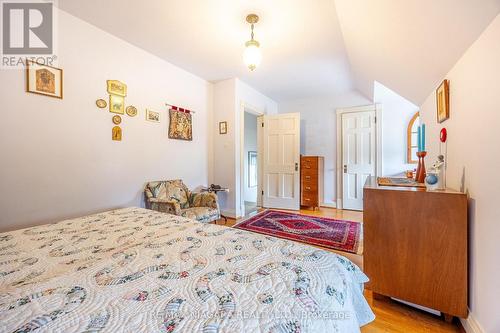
x,y
420,175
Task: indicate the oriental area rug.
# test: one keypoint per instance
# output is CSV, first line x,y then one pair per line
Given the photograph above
x,y
321,231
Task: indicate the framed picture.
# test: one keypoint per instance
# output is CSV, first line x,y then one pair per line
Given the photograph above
x,y
223,127
44,80
181,126
152,116
443,101
117,104
116,87
252,169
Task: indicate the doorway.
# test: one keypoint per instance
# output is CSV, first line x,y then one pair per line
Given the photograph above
x,y
250,179
358,153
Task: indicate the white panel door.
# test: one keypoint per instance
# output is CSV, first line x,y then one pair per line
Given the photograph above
x,y
358,155
281,176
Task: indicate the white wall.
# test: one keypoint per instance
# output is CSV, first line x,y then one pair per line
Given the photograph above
x,y
57,156
318,125
250,144
397,113
473,160
230,99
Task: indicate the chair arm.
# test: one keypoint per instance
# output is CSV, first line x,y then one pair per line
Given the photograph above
x,y
165,206
204,199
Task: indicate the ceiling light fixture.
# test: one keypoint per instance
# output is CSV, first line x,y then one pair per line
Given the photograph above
x,y
252,55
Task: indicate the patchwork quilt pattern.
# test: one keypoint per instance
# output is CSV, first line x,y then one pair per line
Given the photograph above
x,y
137,270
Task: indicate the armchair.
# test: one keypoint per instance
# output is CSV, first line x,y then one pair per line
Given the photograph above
x,y
173,197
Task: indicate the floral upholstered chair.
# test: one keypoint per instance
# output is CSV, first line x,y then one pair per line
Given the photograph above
x,y
172,196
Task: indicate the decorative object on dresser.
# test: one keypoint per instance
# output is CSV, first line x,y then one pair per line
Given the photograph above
x,y
311,181
173,197
421,153
331,233
44,80
415,246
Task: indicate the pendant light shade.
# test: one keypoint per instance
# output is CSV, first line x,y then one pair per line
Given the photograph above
x,y
252,55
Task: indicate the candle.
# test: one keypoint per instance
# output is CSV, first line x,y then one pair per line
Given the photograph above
x,y
419,139
423,137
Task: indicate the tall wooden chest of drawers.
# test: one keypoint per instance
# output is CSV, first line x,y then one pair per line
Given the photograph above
x,y
415,246
311,181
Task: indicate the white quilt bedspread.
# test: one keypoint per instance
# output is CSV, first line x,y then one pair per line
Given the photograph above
x,y
136,270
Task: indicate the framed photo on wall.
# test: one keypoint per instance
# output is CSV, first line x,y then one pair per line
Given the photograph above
x,y
443,101
44,80
117,104
223,127
152,116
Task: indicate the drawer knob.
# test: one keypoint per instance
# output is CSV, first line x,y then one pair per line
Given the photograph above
x,y
308,187
308,177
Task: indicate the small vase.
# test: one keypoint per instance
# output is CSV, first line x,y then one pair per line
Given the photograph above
x,y
420,175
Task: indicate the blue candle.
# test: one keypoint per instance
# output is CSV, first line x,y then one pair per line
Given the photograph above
x,y
423,137
419,141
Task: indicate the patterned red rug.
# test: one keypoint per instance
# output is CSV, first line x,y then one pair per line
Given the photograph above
x,y
331,233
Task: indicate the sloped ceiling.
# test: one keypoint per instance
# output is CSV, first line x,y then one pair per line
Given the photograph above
x,y
310,47
409,45
301,41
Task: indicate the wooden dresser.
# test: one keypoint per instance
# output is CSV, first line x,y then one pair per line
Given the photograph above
x,y
415,246
311,181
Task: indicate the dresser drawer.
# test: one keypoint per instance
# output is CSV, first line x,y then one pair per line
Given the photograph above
x,y
310,199
309,163
310,175
309,187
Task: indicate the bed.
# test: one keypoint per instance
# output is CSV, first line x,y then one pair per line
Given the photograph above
x,y
136,270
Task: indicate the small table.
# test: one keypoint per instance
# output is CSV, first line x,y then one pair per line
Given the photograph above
x,y
216,189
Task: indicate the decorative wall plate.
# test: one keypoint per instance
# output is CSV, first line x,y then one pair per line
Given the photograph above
x,y
131,110
101,103
117,119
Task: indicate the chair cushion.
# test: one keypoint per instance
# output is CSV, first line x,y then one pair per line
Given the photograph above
x,y
201,214
176,191
158,190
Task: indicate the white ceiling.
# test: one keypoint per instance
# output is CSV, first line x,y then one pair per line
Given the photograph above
x,y
302,46
310,47
410,45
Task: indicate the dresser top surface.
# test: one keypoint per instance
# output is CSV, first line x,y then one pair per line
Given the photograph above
x,y
372,184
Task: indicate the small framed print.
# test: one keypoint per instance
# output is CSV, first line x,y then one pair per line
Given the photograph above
x,y
223,127
443,101
152,116
116,87
117,104
44,80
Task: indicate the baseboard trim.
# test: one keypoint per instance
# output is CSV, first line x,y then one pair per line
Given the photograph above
x,y
229,213
329,205
471,325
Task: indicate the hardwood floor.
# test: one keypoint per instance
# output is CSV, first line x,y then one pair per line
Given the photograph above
x,y
391,316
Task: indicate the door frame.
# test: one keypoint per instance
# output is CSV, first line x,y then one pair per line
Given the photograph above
x,y
378,144
246,107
